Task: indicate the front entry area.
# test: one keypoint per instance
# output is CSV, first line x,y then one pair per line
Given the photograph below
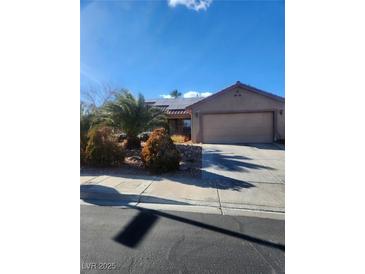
x,y
231,128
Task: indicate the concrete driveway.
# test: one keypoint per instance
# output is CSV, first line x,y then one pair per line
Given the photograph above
x,y
234,178
247,176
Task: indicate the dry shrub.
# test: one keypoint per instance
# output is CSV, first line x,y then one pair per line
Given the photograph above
x,y
102,149
179,138
83,144
82,156
159,153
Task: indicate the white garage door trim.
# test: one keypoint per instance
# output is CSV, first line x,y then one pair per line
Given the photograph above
x,y
267,133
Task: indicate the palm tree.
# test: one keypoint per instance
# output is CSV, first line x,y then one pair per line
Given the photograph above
x,y
132,115
175,94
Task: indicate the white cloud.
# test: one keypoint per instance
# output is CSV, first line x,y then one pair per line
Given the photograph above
x,y
191,94
205,94
166,96
196,5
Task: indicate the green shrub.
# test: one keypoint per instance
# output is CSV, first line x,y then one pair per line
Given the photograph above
x,y
102,149
159,153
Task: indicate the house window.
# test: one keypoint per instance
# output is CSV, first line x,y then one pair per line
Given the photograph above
x,y
187,123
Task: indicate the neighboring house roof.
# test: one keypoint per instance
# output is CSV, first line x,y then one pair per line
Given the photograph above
x,y
174,107
174,103
238,84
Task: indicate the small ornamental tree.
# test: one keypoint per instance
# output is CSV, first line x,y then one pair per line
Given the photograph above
x,y
159,153
102,150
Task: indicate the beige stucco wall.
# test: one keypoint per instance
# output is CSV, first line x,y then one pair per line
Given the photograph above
x,y
247,101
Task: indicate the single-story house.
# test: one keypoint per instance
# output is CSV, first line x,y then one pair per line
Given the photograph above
x,y
236,114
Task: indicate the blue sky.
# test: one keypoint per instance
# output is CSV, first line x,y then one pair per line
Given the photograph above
x,y
153,47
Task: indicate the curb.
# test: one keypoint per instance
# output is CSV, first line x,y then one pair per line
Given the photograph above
x,y
123,201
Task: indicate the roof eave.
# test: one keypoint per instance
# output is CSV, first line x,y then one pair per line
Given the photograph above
x,y
236,85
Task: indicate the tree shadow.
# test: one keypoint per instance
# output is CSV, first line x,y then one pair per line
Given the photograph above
x,y
272,146
209,180
224,161
220,169
108,196
115,171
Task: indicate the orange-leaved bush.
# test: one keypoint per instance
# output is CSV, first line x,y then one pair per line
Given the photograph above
x,y
179,138
159,153
102,149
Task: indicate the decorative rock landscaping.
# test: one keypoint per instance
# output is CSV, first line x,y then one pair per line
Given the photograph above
x,y
190,164
191,159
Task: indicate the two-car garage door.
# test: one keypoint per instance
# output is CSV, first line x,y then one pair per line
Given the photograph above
x,y
255,127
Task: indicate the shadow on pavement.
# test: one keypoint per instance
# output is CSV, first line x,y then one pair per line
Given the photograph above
x,y
272,146
108,196
207,180
133,234
227,162
137,229
216,161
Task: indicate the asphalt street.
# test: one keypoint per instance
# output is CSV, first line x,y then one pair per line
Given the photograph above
x,y
135,240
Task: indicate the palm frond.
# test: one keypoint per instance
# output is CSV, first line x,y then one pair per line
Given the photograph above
x,y
132,115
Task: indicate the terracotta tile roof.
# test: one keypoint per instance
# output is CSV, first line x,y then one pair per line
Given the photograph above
x,y
178,113
175,113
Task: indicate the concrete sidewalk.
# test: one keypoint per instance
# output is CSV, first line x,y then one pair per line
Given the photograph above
x,y
181,194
